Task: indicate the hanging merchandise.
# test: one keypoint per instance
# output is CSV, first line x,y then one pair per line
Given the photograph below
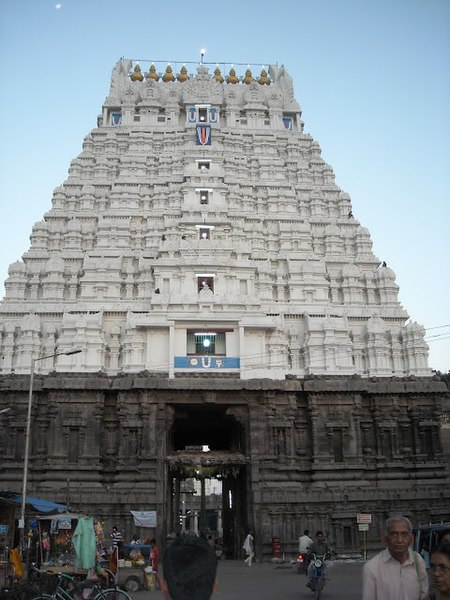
x,y
83,541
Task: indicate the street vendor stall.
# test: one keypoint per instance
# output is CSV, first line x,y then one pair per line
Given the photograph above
x,y
70,543
77,546
131,569
10,533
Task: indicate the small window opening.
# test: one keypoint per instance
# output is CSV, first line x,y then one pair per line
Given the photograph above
x,y
202,115
204,197
205,283
205,233
206,343
203,165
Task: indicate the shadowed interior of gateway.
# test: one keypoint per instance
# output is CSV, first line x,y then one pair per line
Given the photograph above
x,y
209,432
206,425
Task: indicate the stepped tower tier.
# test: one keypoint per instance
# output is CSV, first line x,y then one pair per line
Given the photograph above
x,y
201,230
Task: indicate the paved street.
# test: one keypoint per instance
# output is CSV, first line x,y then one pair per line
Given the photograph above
x,y
266,582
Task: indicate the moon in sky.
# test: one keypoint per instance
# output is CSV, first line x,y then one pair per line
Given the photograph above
x,y
58,6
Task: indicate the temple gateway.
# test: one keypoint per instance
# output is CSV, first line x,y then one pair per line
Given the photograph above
x,y
210,334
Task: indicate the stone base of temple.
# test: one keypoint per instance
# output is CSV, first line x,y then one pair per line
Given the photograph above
x,y
284,455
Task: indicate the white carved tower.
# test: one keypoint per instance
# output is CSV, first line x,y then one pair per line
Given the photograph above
x,y
200,230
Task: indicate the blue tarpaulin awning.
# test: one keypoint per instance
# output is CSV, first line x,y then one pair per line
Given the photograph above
x,y
43,506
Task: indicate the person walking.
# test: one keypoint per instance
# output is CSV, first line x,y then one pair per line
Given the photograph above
x,y
189,569
249,549
396,573
117,540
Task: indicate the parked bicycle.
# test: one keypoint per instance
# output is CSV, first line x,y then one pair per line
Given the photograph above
x,y
34,585
68,588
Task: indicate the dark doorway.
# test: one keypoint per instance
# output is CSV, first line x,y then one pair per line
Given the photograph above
x,y
205,425
206,452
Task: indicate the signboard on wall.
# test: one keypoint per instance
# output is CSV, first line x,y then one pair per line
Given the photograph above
x,y
206,362
364,518
144,518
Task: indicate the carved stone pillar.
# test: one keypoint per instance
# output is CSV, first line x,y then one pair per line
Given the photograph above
x,y
202,507
176,507
314,415
219,523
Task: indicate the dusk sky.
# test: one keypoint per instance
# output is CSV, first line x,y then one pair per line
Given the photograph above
x,y
372,78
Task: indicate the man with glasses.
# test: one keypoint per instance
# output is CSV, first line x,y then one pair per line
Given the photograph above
x,y
396,573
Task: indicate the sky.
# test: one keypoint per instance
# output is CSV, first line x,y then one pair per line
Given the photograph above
x,y
372,78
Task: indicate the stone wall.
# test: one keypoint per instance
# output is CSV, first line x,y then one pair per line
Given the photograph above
x,y
313,452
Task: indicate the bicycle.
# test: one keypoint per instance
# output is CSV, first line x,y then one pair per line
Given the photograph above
x,y
88,589
35,584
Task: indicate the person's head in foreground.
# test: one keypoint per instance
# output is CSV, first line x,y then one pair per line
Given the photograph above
x,y
398,536
189,569
440,570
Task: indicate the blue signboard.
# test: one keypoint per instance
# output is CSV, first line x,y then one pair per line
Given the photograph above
x,y
207,362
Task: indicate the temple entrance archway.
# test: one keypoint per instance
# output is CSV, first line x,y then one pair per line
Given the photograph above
x,y
207,475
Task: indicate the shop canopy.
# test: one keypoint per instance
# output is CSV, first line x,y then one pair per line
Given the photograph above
x,y
41,506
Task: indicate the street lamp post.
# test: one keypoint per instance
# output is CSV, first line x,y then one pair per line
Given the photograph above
x,y
27,438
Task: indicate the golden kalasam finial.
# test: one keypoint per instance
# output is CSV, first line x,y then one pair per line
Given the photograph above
x,y
248,76
232,76
152,74
136,75
218,75
183,76
264,80
168,75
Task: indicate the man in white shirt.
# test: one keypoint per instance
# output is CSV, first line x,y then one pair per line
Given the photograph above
x,y
396,573
304,541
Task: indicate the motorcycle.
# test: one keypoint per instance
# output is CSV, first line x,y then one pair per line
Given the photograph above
x,y
318,575
302,563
